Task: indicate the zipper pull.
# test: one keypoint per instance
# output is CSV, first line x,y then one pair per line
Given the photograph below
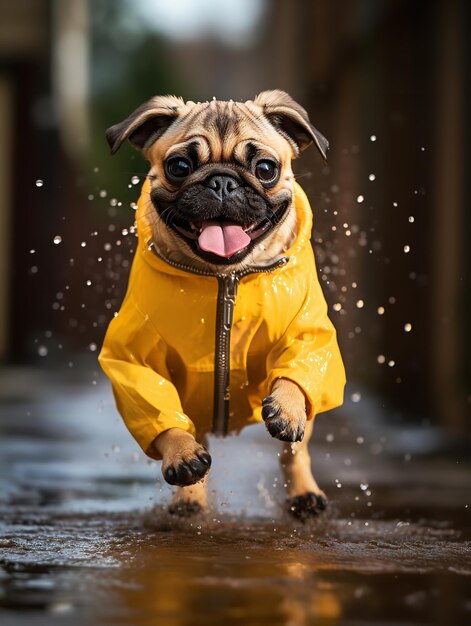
x,y
231,284
229,293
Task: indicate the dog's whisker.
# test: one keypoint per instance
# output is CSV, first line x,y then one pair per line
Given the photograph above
x,y
303,175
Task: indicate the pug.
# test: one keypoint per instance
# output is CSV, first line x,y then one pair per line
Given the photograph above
x,y
224,323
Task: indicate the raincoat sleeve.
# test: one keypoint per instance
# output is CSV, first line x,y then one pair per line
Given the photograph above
x,y
308,353
134,358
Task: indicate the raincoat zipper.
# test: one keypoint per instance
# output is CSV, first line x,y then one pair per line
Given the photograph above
x,y
227,292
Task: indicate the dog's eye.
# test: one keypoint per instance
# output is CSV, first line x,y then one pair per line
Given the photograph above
x,y
266,171
178,167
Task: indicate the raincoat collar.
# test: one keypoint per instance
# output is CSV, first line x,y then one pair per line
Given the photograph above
x,y
145,232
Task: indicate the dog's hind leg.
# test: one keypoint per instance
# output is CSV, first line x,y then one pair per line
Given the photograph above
x,y
188,501
305,498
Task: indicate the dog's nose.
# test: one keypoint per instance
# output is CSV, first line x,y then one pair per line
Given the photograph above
x,y
221,185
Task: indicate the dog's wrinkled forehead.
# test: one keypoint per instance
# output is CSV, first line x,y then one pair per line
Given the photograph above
x,y
272,118
219,131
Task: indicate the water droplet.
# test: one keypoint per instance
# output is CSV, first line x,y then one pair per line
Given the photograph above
x,y
360,440
372,177
360,304
42,350
381,359
364,486
39,183
202,320
380,310
32,251
406,249
83,244
411,219
401,524
356,397
92,347
57,239
372,137
103,193
407,327
337,306
329,437
89,282
360,199
135,180
391,363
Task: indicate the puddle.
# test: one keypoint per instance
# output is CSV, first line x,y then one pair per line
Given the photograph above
x,y
145,567
85,537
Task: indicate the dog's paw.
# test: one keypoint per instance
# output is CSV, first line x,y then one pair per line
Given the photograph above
x,y
188,466
307,506
284,412
185,508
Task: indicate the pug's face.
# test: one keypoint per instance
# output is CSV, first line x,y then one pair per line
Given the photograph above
x,y
221,178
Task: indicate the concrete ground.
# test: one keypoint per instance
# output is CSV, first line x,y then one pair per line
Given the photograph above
x,y
85,537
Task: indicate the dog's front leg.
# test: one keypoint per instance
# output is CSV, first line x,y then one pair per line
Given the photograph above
x,y
193,499
284,411
184,460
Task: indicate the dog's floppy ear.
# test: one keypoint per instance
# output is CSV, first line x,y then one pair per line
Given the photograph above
x,y
289,118
146,124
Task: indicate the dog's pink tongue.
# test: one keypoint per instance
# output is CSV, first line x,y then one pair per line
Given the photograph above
x,y
223,239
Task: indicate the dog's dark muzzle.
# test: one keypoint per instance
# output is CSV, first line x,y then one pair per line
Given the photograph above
x,y
220,216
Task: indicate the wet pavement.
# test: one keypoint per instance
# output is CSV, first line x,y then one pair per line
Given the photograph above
x,y
85,537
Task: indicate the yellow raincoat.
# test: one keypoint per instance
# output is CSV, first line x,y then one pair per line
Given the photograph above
x,y
159,350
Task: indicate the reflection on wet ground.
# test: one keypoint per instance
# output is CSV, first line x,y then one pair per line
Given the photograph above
x,y
85,537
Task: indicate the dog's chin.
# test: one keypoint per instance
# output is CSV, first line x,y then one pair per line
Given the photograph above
x,y
189,232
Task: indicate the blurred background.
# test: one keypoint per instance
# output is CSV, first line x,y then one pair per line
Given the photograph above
x,y
387,81
83,528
